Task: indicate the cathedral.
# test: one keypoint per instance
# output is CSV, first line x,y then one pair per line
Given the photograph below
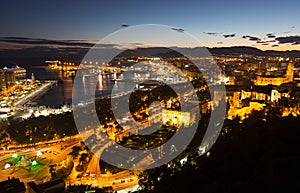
x,y
289,77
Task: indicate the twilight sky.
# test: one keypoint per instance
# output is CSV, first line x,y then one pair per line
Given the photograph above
x,y
264,24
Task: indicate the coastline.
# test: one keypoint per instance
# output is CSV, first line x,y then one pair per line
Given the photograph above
x,y
42,90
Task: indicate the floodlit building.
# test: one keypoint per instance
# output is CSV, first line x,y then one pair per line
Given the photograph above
x,y
264,81
7,79
175,118
245,111
32,79
276,95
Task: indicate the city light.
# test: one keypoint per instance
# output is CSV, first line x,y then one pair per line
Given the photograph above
x,y
39,153
40,143
7,166
34,163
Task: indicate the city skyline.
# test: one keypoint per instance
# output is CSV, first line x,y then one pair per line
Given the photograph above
x,y
149,96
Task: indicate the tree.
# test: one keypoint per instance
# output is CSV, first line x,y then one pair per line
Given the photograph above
x,y
52,170
83,158
75,151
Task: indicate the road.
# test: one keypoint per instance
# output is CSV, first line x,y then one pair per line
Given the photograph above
x,y
119,181
51,154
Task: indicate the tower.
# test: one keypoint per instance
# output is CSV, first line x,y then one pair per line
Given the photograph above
x,y
290,73
32,79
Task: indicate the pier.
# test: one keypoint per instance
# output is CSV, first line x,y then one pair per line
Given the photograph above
x,y
40,91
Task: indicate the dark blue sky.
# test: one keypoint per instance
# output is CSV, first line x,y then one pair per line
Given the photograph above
x,y
92,20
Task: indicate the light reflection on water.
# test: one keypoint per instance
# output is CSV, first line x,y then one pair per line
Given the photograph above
x,y
61,94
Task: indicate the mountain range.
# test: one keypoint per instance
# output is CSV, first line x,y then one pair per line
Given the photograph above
x,y
37,55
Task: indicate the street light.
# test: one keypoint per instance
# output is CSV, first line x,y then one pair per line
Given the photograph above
x,y
34,163
7,166
39,153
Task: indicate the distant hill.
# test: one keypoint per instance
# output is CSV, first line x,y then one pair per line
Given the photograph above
x,y
38,55
238,50
202,51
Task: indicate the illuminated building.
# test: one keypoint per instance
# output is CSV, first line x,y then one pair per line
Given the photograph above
x,y
276,95
234,100
264,81
10,79
229,80
175,118
218,96
238,97
245,111
7,79
32,79
239,73
267,94
254,95
2,80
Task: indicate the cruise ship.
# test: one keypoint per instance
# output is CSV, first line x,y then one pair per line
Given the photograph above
x,y
17,70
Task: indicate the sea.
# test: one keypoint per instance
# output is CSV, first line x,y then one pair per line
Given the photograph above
x,y
61,93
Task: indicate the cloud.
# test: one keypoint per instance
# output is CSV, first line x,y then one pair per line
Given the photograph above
x,y
229,35
178,29
39,41
271,35
275,45
265,42
219,42
252,38
24,42
294,40
212,33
